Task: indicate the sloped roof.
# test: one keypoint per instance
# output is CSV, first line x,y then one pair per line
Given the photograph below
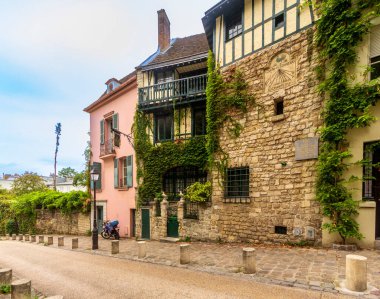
x,y
181,48
125,81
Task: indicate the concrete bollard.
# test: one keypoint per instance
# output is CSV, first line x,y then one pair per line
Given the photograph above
x,y
5,276
74,243
142,249
184,254
50,240
115,247
61,241
27,238
13,236
249,260
33,239
356,273
21,289
41,239
20,237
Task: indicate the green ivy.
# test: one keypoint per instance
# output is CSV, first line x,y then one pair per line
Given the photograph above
x,y
227,96
199,192
340,31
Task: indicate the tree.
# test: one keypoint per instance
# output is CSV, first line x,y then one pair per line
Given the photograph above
x,y
58,133
67,172
28,182
83,178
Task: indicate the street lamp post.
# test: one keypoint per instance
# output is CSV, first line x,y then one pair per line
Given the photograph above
x,y
94,178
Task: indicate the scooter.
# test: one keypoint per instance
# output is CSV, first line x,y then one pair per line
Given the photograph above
x,y
110,229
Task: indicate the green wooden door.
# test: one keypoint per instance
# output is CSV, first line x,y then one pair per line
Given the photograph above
x,y
173,226
145,224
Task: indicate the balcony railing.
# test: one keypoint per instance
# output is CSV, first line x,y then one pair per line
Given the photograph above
x,y
187,88
107,148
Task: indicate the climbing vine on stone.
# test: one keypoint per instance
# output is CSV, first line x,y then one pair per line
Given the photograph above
x,y
340,30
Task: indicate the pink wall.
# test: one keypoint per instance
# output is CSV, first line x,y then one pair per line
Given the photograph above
x,y
118,203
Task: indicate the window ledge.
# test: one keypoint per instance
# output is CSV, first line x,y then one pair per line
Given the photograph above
x,y
122,188
237,200
277,118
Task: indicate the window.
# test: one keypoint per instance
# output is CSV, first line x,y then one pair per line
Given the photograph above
x,y
281,230
163,127
279,107
371,171
199,121
176,180
164,77
123,172
237,182
375,66
234,25
279,21
375,52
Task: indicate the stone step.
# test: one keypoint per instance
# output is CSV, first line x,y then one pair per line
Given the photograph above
x,y
377,244
169,240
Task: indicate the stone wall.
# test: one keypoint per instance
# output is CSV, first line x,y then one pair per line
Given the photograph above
x,y
281,189
55,222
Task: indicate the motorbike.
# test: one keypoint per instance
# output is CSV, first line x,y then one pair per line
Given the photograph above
x,y
110,230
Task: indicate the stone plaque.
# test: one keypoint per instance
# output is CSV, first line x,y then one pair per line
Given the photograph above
x,y
307,149
282,73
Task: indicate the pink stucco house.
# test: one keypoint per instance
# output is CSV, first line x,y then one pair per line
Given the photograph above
x,y
113,154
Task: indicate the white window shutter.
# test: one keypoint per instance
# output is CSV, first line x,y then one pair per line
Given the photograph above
x,y
375,41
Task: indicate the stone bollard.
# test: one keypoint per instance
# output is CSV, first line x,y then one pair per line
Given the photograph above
x,y
5,276
20,237
41,239
249,260
13,236
142,249
21,289
74,243
115,247
184,257
33,239
61,241
356,273
26,238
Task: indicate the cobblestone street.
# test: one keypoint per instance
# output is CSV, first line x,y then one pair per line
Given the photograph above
x,y
308,268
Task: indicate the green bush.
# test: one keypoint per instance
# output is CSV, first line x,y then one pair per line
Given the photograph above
x,y
199,192
11,227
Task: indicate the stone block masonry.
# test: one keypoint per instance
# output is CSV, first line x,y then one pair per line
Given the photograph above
x,y
55,222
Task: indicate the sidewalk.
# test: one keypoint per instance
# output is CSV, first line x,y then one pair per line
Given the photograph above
x,y
307,268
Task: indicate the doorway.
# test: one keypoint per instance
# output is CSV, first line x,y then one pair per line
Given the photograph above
x,y
133,223
145,224
100,217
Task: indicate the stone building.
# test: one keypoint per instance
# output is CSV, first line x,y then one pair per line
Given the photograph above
x,y
268,193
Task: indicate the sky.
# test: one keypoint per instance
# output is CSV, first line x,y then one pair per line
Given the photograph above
x,y
55,57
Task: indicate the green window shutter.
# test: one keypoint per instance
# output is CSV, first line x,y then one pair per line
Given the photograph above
x,y
98,168
130,171
115,121
116,173
102,131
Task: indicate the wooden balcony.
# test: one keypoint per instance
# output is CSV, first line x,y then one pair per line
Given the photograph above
x,y
107,150
181,91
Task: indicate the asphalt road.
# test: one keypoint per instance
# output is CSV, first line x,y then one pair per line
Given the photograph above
x,y
81,275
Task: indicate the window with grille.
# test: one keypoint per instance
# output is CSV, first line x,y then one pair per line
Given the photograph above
x,y
371,171
234,25
237,182
176,180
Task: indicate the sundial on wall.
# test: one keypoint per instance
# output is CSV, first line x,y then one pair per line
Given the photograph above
x,y
281,73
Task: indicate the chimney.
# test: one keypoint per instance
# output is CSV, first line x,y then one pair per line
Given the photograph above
x,y
163,30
